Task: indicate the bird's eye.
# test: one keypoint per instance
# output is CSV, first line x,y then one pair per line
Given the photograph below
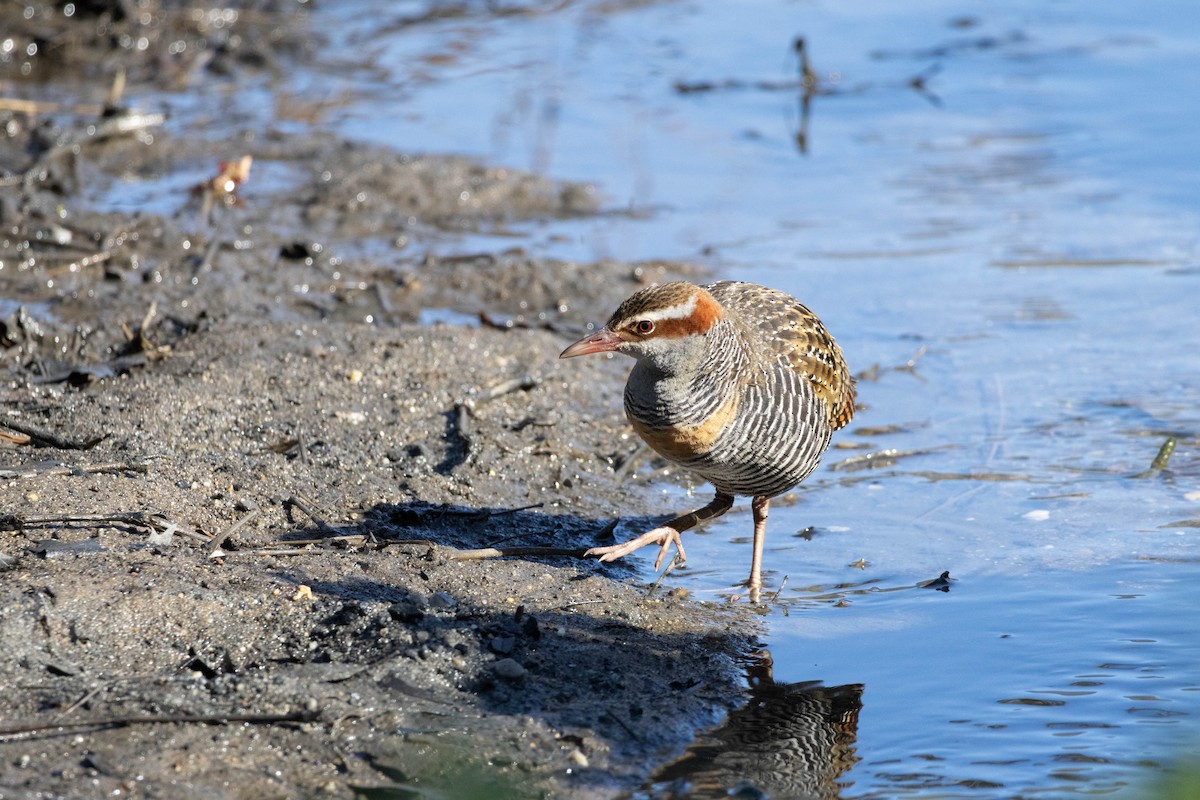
x,y
645,327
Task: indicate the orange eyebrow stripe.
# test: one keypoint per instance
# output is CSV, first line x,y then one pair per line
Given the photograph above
x,y
702,318
707,312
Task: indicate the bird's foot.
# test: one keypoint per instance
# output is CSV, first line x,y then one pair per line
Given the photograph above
x,y
664,537
754,593
754,586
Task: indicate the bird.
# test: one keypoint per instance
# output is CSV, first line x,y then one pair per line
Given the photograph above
x,y
739,383
792,740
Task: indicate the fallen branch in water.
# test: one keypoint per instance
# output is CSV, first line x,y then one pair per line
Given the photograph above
x,y
877,459
1160,461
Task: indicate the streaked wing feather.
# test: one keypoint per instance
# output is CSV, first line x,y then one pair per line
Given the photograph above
x,y
799,340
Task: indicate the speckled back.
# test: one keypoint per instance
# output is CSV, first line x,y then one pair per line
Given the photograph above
x,y
787,330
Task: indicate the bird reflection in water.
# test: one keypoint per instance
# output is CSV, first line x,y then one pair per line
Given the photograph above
x,y
791,740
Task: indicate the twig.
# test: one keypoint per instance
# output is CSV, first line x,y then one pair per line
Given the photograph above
x,y
808,78
265,551
491,514
161,719
877,459
108,128
302,448
496,552
44,438
941,583
344,538
1160,461
53,469
621,722
466,431
45,107
146,320
478,514
12,437
206,261
513,510
80,264
910,366
454,555
873,372
409,543
675,561
86,697
387,309
117,89
486,320
215,543
1164,454
508,387
141,519
631,460
294,500
569,606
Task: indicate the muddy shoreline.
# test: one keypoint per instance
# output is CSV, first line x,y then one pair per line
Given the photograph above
x,y
235,472
362,628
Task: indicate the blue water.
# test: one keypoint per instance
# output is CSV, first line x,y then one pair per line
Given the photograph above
x,y
1026,225
1043,683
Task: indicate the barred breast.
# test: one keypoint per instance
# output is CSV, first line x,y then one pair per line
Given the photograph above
x,y
756,413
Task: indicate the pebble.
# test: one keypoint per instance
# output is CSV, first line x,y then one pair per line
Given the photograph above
x,y
509,668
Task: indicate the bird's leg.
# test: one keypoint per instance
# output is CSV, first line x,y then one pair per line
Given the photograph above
x,y
759,507
666,535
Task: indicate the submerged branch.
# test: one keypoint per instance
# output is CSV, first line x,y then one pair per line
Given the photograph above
x,y
1160,461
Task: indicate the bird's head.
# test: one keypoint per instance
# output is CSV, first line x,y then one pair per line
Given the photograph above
x,y
665,325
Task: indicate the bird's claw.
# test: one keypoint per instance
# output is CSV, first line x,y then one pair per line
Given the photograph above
x,y
671,536
664,537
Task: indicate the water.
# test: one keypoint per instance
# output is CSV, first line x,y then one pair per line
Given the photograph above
x,y
1026,225
1012,685
1023,223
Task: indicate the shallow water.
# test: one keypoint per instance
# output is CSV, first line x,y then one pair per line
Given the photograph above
x,y
1004,194
1024,224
